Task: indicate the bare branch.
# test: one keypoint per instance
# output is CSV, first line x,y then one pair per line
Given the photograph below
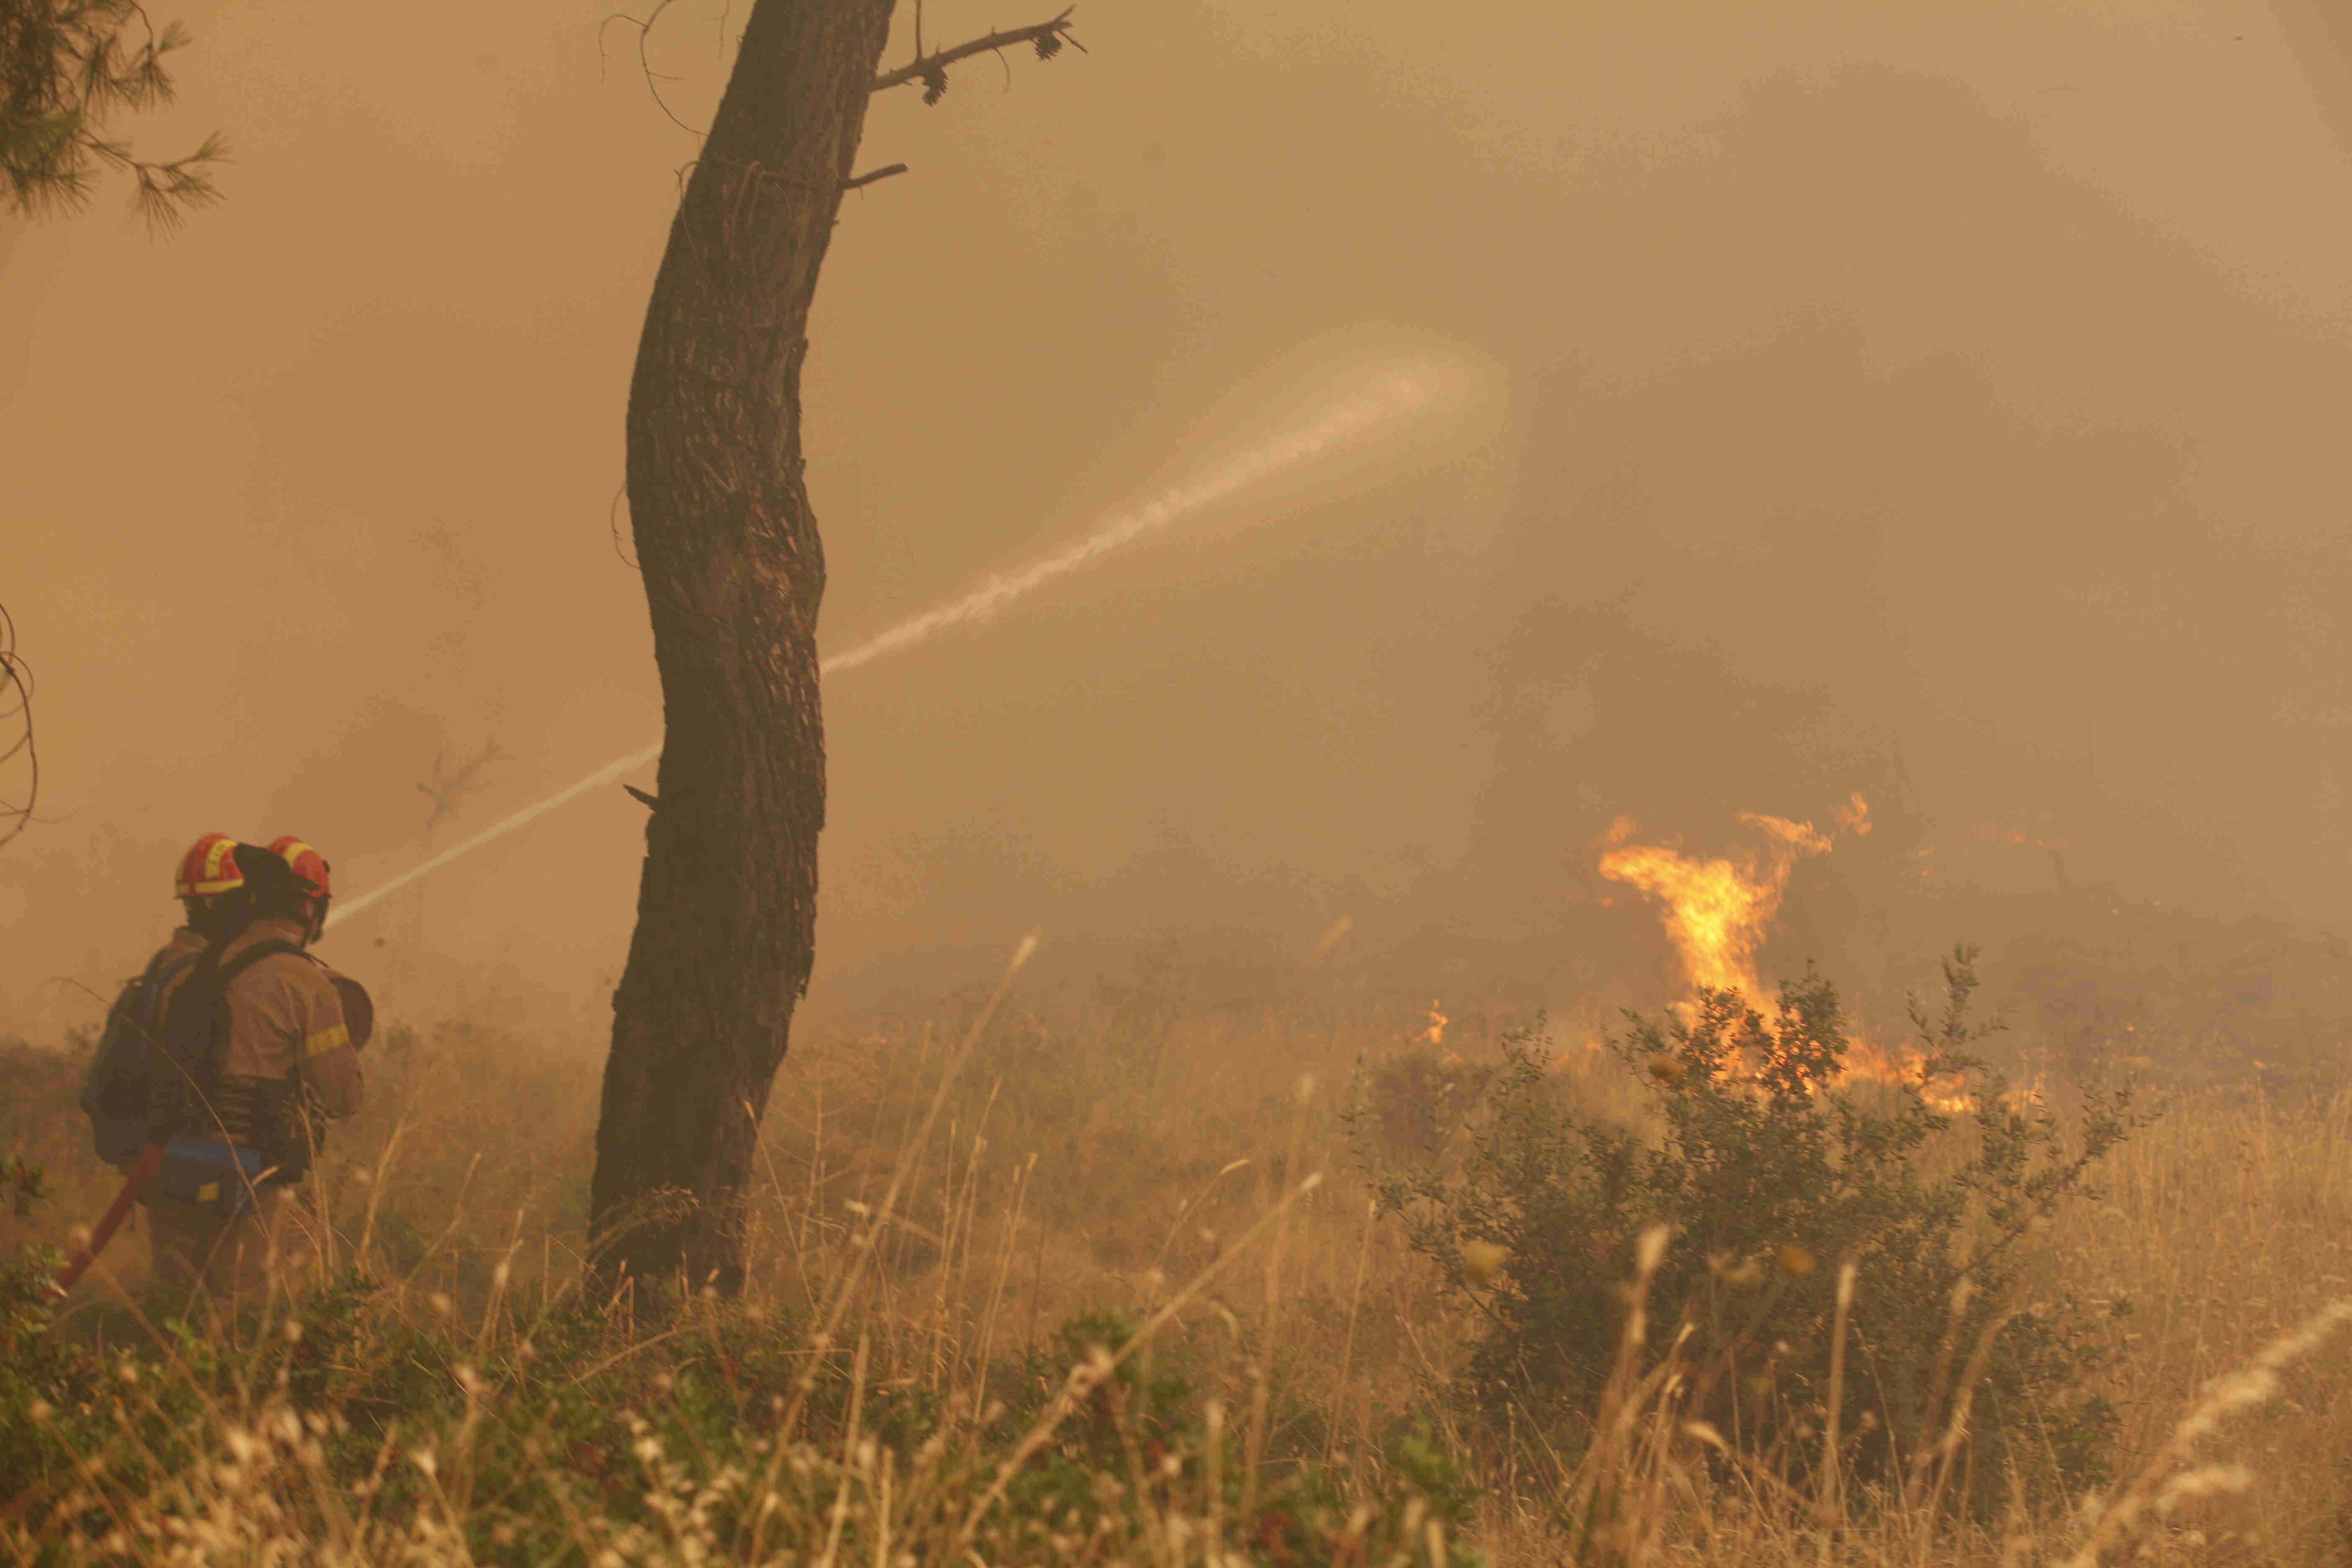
x,y
612,512
1046,37
883,172
644,64
16,685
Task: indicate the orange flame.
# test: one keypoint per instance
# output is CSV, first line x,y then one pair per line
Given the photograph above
x,y
1435,1033
1716,911
1866,1062
1853,815
1951,1093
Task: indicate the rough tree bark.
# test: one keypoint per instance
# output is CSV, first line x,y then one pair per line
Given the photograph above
x,y
733,571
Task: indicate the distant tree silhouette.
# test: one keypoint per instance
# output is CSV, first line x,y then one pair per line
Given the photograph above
x,y
448,789
449,786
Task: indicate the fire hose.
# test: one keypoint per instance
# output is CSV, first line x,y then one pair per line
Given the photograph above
x,y
142,1171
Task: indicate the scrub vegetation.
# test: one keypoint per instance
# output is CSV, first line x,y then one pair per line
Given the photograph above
x,y
1761,1165
1112,1275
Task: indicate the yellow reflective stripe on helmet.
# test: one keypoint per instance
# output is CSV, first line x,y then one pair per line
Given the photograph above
x,y
325,1040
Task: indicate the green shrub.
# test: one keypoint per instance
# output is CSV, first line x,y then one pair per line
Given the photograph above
x,y
1768,1176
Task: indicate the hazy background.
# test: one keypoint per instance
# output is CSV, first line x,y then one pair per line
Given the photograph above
x,y
1943,402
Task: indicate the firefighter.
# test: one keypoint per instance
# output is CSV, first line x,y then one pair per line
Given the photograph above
x,y
261,1053
114,1095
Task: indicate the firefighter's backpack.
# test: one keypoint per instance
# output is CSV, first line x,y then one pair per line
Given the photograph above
x,y
115,1092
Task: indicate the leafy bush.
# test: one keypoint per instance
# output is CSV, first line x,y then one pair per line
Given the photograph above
x,y
1413,1101
1768,1176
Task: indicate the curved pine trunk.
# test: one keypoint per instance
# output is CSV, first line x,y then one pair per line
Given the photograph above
x,y
733,570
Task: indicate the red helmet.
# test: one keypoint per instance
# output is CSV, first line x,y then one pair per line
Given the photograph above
x,y
308,863
209,869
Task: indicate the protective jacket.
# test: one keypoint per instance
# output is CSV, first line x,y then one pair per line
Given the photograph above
x,y
283,1056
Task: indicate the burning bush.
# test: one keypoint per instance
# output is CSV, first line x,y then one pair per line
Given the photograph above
x,y
1770,1178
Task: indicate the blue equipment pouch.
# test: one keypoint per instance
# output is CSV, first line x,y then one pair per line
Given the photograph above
x,y
210,1174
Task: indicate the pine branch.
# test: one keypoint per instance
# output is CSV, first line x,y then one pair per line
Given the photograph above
x,y
168,192
931,69
69,66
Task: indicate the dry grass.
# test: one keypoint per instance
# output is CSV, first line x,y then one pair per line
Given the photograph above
x,y
1190,1169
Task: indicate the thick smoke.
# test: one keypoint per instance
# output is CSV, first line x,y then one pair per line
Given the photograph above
x,y
1938,402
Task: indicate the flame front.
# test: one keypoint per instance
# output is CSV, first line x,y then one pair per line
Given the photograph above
x,y
1867,1062
1716,911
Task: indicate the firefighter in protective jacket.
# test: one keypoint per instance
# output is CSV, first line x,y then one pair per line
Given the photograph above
x,y
264,1050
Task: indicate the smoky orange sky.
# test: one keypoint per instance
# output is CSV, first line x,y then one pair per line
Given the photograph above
x,y
1965,383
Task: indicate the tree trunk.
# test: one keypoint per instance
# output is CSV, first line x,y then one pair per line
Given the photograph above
x,y
733,571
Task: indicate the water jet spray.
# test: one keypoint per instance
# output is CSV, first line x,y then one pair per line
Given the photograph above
x,y
1384,401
